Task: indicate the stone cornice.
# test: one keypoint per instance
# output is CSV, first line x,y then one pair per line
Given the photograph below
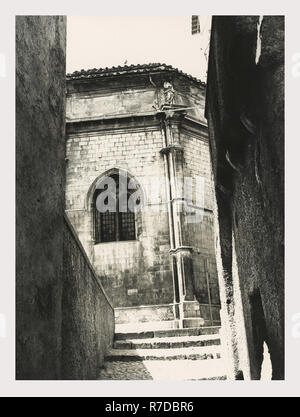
x,y
135,123
116,124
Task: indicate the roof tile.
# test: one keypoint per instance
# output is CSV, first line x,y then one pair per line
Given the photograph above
x,y
129,69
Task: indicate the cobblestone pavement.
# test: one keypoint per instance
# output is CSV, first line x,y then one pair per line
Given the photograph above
x,y
172,370
118,370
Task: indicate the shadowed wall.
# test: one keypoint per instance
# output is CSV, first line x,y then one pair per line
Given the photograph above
x,y
245,112
64,321
40,103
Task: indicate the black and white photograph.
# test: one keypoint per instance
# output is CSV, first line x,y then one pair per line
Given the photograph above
x,y
150,197
149,214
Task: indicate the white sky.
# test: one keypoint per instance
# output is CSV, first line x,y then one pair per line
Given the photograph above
x,y
105,41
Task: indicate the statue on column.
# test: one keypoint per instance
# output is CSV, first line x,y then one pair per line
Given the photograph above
x,y
169,93
164,96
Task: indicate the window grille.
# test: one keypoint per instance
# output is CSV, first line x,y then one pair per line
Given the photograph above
x,y
114,226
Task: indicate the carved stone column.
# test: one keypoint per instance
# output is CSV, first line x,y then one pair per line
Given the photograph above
x,y
181,255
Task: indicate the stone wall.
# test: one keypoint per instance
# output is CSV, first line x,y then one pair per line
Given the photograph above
x,y
87,313
40,173
245,111
64,321
94,95
132,272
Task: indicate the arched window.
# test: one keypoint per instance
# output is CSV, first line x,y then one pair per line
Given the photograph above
x,y
114,217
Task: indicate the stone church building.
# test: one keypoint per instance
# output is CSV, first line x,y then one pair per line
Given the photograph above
x,y
144,123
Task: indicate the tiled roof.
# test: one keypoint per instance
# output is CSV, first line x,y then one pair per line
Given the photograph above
x,y
128,69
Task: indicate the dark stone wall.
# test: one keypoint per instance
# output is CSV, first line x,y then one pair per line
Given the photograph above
x,y
245,112
40,107
87,313
64,322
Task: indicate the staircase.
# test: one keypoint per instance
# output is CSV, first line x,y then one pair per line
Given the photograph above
x,y
173,354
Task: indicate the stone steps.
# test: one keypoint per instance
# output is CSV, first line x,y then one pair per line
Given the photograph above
x,y
169,342
192,353
173,354
147,326
196,331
